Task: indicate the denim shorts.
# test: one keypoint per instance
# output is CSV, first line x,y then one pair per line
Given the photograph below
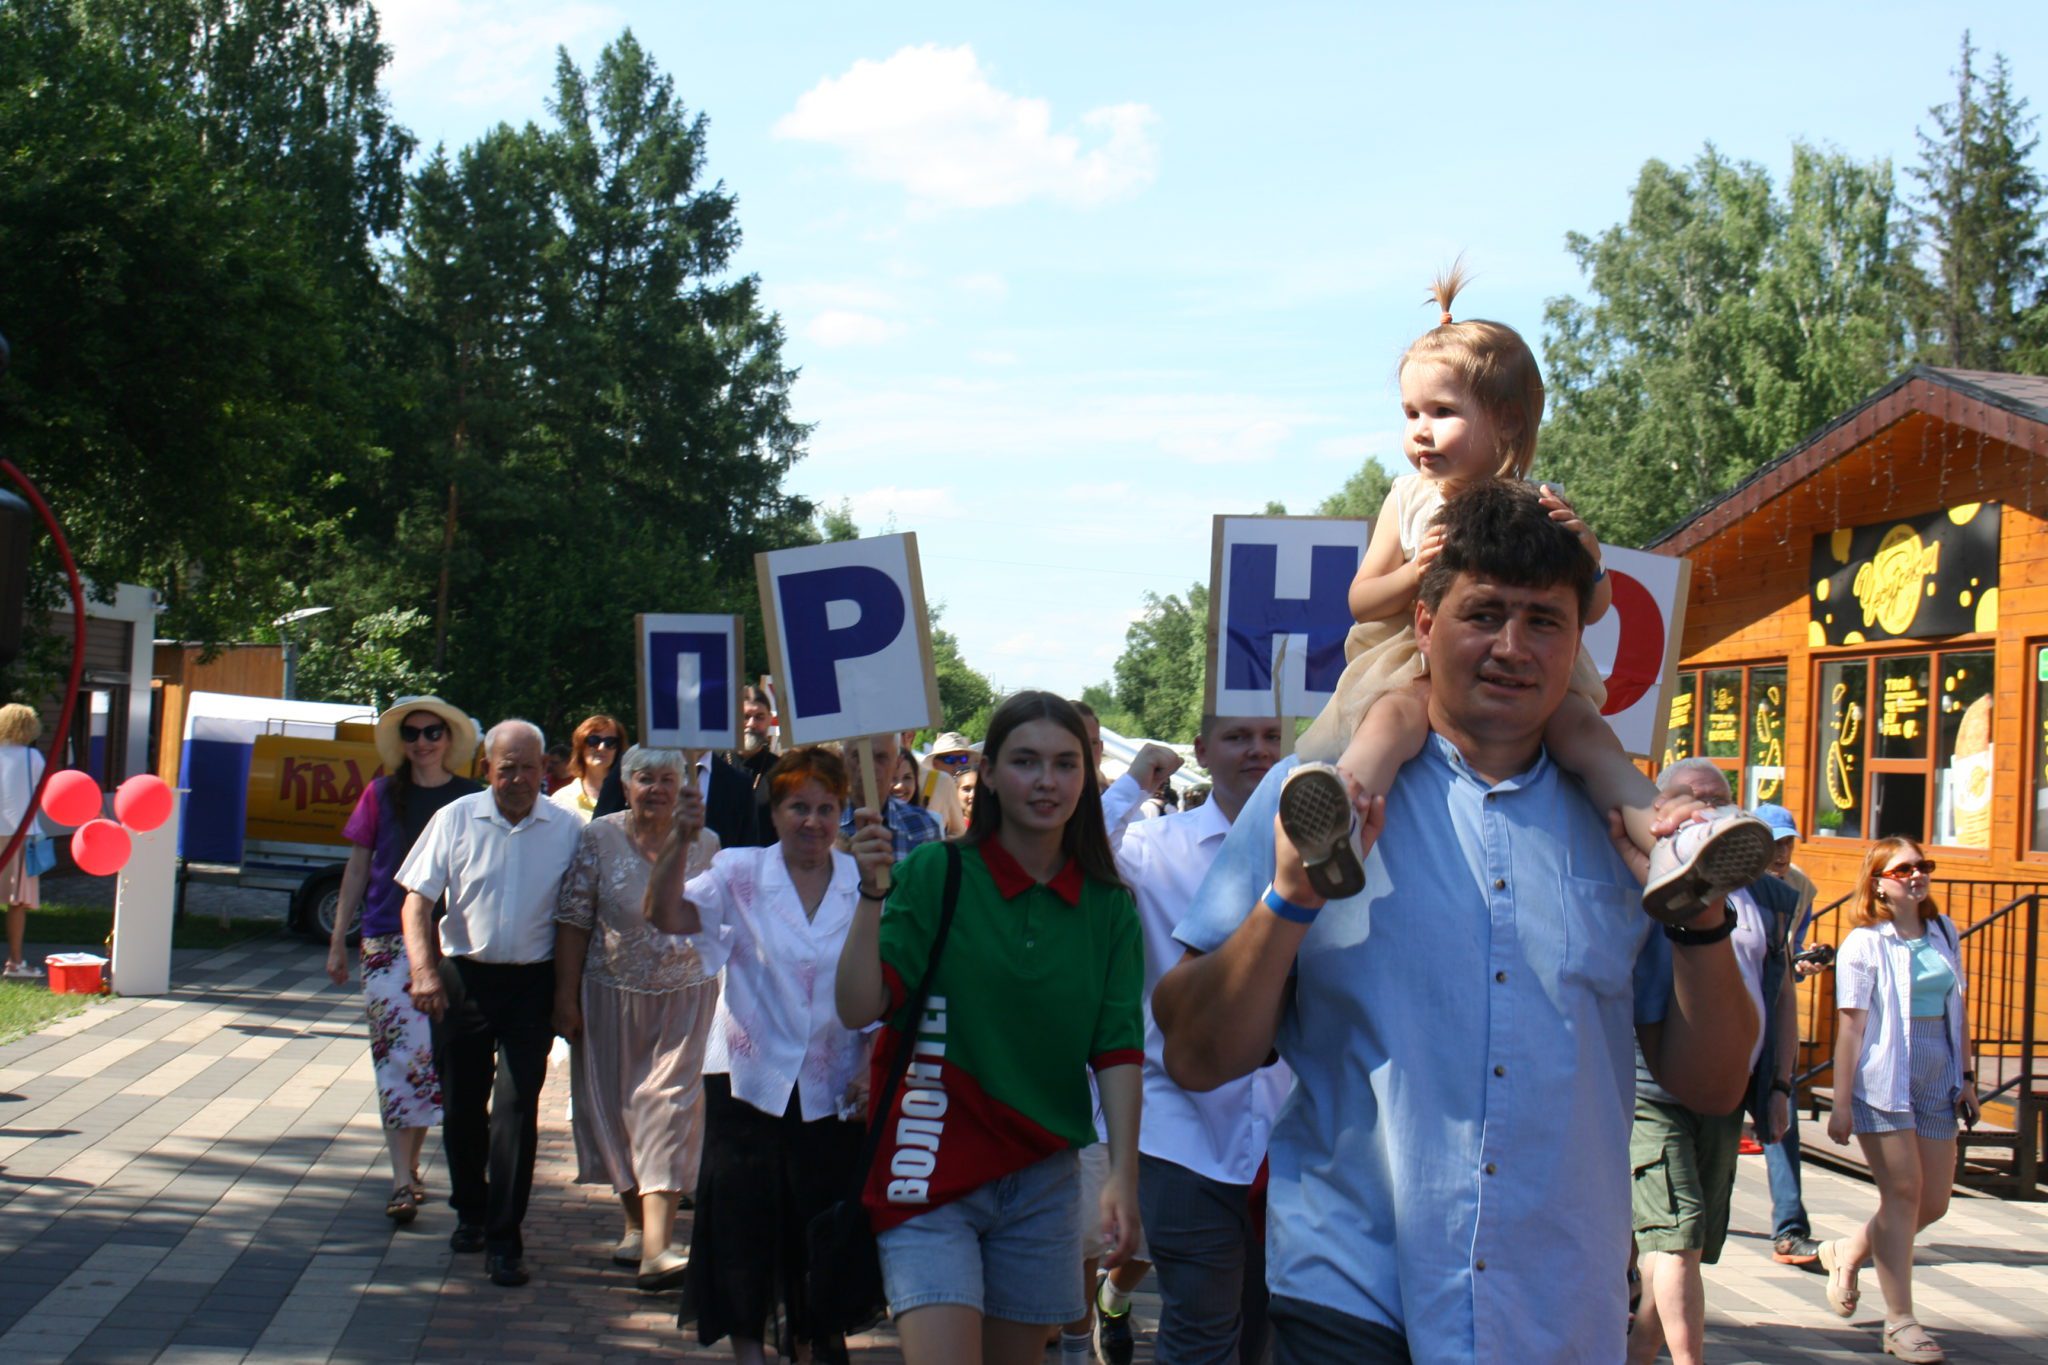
x,y
1007,1250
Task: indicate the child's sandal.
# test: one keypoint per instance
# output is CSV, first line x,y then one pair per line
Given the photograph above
x,y
403,1206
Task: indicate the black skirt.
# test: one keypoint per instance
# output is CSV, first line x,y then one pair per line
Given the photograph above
x,y
762,1181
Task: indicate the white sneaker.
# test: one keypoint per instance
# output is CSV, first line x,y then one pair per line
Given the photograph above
x,y
627,1252
1316,812
1706,859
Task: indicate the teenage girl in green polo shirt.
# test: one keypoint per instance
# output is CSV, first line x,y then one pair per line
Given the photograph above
x,y
974,1191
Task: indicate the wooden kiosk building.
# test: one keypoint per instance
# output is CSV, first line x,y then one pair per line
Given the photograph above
x,y
1866,644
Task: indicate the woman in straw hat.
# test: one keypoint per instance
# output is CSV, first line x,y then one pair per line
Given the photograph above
x,y
421,741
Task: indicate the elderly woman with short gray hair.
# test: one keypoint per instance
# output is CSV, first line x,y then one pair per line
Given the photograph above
x,y
636,1006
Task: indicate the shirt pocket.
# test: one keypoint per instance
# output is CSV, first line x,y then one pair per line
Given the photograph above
x,y
1602,934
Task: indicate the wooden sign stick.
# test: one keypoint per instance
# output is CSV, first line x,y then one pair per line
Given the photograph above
x,y
1279,690
867,786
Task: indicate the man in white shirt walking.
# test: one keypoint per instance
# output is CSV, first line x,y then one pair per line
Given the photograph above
x,y
487,980
1198,1154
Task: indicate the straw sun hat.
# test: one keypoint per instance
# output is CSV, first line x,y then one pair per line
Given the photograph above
x,y
461,732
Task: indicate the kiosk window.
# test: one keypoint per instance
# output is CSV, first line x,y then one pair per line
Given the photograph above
x,y
1736,717
2039,843
1903,747
1679,735
1764,773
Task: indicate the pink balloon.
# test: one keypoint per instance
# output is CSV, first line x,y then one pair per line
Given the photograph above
x,y
143,802
72,798
100,848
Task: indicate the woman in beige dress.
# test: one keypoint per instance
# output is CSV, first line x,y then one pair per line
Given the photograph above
x,y
636,1006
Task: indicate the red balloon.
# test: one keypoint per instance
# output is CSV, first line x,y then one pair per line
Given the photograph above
x,y
72,798
143,802
100,848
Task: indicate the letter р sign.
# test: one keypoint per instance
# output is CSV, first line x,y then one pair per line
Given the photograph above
x,y
849,638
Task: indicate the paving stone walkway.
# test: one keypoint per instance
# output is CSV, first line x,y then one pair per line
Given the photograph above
x,y
201,1178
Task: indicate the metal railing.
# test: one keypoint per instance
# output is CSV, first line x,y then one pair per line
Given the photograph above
x,y
2000,942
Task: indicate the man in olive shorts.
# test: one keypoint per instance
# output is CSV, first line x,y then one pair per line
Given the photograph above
x,y
1682,1161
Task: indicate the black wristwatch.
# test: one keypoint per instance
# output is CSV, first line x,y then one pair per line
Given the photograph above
x,y
1780,1087
1700,938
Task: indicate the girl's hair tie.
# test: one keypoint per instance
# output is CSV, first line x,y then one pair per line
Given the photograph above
x,y
1446,320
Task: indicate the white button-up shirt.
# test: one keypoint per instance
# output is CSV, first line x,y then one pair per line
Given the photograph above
x,y
501,879
1751,941
777,1028
1221,1133
1874,972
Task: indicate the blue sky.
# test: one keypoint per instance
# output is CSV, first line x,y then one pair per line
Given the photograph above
x,y
1065,281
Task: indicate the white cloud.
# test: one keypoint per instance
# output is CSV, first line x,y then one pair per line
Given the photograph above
x,y
855,295
983,284
906,507
477,53
842,327
929,119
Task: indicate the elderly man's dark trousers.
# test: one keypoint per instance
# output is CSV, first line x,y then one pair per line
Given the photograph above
x,y
491,1048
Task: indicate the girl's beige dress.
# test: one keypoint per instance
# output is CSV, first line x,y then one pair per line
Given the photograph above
x,y
1380,656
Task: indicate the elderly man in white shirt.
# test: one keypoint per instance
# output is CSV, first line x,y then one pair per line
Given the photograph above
x,y
1198,1154
487,980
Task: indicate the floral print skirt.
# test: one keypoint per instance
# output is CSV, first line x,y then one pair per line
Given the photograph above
x,y
401,1038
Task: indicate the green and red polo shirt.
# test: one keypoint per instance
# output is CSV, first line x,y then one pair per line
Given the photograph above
x,y
1038,982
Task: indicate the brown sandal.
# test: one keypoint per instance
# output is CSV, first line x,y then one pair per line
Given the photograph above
x,y
403,1206
1908,1340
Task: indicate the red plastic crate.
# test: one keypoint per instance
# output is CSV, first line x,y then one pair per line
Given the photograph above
x,y
76,978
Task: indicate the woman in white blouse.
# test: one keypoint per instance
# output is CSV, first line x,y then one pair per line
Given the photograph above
x,y
784,1082
1902,1064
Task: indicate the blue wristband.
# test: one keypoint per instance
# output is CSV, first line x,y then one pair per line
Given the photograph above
x,y
1287,909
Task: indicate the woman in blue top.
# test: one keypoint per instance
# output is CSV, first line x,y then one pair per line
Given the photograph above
x,y
1902,1060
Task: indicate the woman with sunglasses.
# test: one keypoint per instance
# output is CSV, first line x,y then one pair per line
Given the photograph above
x,y
421,740
592,751
1902,1060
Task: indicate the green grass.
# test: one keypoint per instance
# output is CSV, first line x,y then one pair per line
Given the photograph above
x,y
26,1006
86,927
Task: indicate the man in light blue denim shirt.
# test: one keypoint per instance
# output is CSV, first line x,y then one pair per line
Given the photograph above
x,y
1450,1177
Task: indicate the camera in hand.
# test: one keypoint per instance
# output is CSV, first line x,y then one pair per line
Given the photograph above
x,y
1820,955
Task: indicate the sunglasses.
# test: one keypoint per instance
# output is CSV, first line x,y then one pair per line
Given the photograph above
x,y
953,760
413,734
1904,871
601,742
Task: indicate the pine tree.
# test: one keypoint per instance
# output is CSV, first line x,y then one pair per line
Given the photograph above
x,y
1979,218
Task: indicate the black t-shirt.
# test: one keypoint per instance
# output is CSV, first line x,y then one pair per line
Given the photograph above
x,y
420,805
422,802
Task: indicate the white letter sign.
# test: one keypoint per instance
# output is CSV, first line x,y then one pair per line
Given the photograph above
x,y
849,638
690,673
1279,592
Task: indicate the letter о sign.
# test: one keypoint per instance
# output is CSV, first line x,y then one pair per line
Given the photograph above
x,y
849,638
1635,645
